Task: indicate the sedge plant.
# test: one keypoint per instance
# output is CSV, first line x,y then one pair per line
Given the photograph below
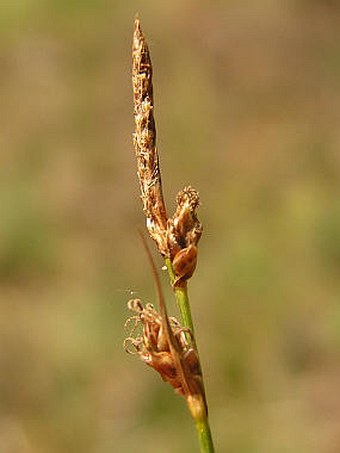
x,y
163,343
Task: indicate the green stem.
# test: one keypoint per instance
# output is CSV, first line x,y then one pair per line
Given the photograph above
x,y
204,436
182,299
201,419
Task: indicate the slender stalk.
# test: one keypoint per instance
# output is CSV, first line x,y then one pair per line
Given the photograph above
x,y
200,417
182,299
204,435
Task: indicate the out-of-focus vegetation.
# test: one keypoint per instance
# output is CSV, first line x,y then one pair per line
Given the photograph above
x,y
248,111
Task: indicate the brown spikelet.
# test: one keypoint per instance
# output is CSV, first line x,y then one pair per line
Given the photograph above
x,y
165,346
176,237
162,344
184,228
184,232
148,169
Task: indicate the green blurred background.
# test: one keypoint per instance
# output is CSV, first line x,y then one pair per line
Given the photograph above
x,y
248,110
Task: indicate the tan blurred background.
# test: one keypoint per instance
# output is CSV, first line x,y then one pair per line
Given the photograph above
x,y
248,111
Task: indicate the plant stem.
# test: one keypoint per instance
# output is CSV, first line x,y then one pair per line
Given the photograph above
x,y
204,436
182,300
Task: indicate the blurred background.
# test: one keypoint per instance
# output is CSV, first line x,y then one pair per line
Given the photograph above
x,y
247,101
